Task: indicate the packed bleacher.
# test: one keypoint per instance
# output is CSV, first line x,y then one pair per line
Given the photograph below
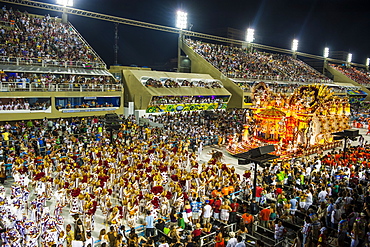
x,y
236,62
174,83
359,75
10,81
10,104
85,104
285,87
30,37
56,78
163,100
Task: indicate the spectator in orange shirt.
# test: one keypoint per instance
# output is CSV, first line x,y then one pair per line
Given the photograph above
x,y
264,216
248,221
215,193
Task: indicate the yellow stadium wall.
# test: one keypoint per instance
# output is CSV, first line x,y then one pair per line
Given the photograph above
x,y
54,112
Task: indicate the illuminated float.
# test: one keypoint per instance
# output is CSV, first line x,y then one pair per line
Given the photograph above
x,y
298,124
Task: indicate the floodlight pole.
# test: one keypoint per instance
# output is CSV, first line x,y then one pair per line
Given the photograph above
x,y
179,51
345,147
294,55
65,15
259,161
249,46
255,181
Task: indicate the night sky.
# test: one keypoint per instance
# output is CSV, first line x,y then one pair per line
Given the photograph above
x,y
342,25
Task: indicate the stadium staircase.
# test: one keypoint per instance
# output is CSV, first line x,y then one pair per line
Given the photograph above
x,y
100,60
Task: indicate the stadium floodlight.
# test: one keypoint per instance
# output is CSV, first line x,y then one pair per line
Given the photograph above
x,y
367,62
250,35
349,58
182,19
65,2
295,45
326,52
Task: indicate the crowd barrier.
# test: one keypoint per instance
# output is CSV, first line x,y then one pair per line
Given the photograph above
x,y
231,227
267,236
250,240
208,240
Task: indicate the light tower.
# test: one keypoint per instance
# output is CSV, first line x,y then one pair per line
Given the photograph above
x,y
181,23
326,55
249,37
367,63
349,60
326,52
65,3
295,47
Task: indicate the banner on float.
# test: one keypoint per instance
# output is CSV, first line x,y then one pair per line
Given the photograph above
x,y
186,107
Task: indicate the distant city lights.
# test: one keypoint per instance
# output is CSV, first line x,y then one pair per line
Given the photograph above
x,y
295,45
182,19
250,35
326,52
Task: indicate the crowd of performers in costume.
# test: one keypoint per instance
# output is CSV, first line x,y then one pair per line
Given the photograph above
x,y
121,182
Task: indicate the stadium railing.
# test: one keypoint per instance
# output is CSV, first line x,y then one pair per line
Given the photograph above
x,y
44,62
55,87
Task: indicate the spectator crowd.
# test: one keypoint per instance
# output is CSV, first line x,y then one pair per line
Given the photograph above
x,y
285,88
30,36
52,82
170,83
163,100
359,75
13,104
236,62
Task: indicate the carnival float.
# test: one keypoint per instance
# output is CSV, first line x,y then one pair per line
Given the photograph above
x,y
298,124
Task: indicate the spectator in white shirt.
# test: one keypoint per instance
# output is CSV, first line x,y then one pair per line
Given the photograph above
x,y
232,241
